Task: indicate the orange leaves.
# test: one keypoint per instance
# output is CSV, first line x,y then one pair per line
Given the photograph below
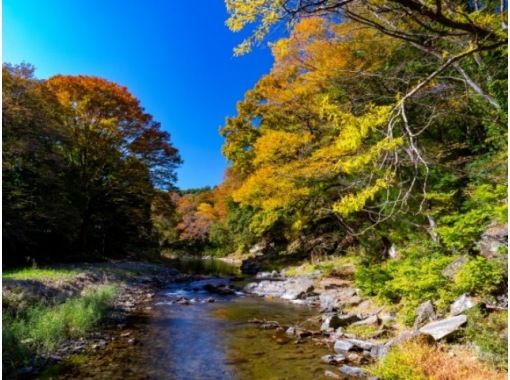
x,y
104,115
198,211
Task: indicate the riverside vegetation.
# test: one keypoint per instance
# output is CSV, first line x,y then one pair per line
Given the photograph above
x,y
373,152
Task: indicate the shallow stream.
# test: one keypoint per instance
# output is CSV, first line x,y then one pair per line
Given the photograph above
x,y
205,340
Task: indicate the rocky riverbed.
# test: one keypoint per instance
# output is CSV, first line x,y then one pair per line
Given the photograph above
x,y
171,324
343,312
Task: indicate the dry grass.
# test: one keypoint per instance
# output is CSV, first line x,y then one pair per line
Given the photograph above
x,y
416,360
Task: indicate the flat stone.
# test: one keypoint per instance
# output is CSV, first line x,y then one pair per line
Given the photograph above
x,y
372,320
297,287
333,359
342,346
461,304
362,344
353,371
331,374
444,327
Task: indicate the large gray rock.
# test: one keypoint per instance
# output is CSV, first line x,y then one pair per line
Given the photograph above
x,y
493,240
297,287
461,304
444,327
329,301
290,289
266,288
424,313
332,299
343,346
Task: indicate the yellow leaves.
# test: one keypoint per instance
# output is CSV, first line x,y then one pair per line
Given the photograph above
x,y
355,128
361,160
288,164
269,188
244,12
206,211
355,202
274,146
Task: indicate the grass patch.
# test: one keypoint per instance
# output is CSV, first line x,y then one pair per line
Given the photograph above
x,y
40,329
417,360
330,266
40,274
362,331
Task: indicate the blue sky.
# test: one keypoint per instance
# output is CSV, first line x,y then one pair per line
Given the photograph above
x,y
175,56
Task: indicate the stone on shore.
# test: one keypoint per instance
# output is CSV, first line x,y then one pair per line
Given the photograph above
x,y
333,359
461,304
444,327
424,313
342,346
331,374
355,372
289,289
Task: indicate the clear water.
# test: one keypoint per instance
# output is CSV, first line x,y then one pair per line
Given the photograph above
x,y
205,341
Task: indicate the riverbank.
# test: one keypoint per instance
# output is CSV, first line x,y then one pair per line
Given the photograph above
x,y
370,339
304,322
50,313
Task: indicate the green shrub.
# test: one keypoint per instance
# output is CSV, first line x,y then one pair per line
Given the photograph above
x,y
459,231
490,334
372,279
408,281
479,276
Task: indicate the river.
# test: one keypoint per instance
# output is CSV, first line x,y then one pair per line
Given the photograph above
x,y
205,340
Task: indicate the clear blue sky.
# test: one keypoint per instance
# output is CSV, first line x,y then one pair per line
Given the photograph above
x,y
175,56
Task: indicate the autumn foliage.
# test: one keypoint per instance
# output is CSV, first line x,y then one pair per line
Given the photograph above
x,y
82,163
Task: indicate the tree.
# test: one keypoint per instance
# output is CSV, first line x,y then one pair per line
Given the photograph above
x,y
118,155
37,217
325,138
82,164
463,42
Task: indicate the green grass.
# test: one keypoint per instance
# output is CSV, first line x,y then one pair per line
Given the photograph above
x,y
330,266
362,331
40,274
39,330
